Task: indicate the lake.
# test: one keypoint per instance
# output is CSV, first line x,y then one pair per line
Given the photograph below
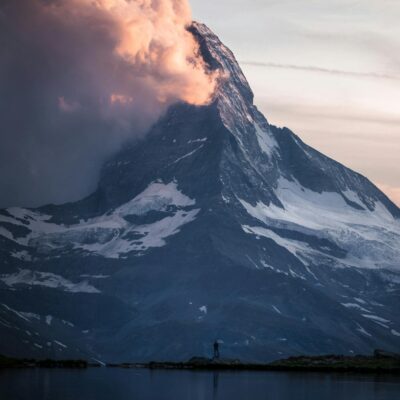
x,y
118,384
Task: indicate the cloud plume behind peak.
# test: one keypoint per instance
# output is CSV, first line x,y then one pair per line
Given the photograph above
x,y
80,77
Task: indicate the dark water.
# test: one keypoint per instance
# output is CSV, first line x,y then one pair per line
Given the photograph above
x,y
118,384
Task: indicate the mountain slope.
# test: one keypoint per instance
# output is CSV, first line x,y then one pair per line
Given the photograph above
x,y
216,225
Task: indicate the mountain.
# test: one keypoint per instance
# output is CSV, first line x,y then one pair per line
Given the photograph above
x,y
217,225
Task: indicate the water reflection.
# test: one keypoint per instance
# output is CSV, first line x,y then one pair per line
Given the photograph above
x,y
118,384
215,384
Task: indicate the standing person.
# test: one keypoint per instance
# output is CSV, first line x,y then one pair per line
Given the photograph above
x,y
216,350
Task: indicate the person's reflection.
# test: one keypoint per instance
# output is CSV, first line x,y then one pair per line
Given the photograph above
x,y
215,384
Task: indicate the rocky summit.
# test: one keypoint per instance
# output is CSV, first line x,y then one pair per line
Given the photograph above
x,y
216,226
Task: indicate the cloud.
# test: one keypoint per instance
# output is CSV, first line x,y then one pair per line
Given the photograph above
x,y
338,72
301,110
80,77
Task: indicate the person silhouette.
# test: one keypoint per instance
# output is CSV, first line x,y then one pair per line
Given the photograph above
x,y
216,350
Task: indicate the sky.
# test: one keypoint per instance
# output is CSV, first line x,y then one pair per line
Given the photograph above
x,y
80,78
327,69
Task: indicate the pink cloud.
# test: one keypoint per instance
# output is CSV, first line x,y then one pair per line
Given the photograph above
x,y
84,77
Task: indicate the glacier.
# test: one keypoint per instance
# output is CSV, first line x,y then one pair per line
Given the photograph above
x,y
109,235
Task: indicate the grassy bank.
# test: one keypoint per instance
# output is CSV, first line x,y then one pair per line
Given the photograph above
x,y
7,362
379,362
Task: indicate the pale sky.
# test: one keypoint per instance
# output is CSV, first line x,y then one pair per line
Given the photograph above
x,y
327,69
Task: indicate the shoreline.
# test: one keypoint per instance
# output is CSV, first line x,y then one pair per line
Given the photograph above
x,y
379,363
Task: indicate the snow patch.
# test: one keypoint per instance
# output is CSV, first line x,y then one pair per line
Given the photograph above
x,y
376,318
203,309
277,309
95,276
295,247
30,315
353,197
148,236
111,235
355,306
15,312
361,301
188,154
370,239
363,331
22,255
265,140
202,140
46,279
157,197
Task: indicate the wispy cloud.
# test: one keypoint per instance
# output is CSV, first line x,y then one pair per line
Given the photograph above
x,y
310,68
303,111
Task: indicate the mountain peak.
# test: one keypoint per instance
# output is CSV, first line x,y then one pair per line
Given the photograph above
x,y
215,223
220,57
235,101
